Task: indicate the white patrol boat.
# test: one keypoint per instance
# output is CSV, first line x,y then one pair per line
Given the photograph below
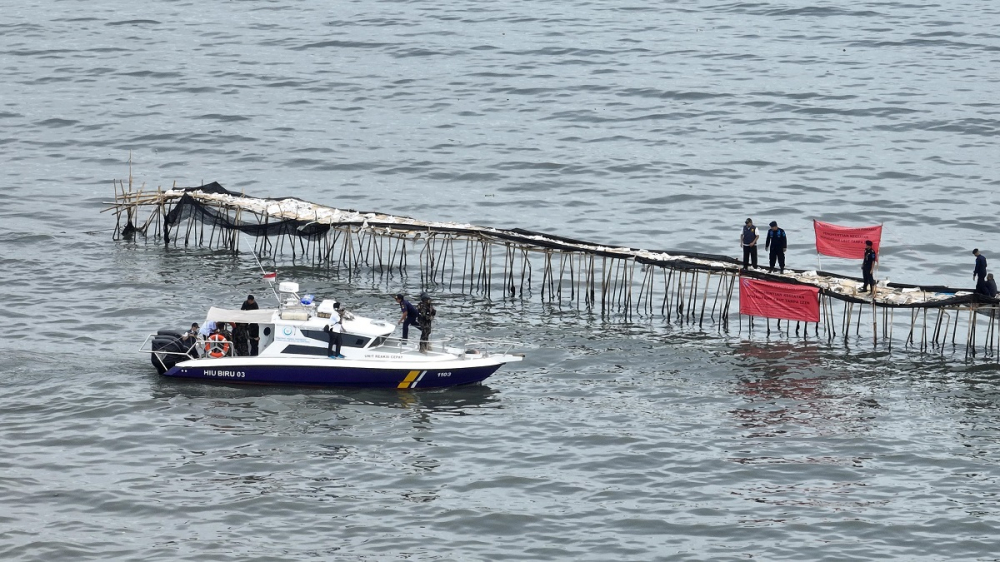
x,y
293,351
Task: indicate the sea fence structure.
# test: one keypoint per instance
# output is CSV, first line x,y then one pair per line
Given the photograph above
x,y
684,288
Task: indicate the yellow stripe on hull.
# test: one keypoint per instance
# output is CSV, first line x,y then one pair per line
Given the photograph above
x,y
410,377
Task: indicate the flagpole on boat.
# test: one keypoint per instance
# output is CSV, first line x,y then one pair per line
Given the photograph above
x,y
271,278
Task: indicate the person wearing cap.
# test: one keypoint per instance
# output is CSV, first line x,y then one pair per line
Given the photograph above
x,y
409,317
749,242
426,313
868,267
190,339
776,243
253,330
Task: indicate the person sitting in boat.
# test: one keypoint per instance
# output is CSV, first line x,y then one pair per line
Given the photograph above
x,y
190,339
425,313
334,331
228,335
217,339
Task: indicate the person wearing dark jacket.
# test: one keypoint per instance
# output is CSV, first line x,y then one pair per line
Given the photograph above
x,y
253,330
409,317
868,267
979,273
991,285
776,243
748,240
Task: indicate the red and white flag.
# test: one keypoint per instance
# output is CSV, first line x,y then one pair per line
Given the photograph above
x,y
271,277
845,241
770,299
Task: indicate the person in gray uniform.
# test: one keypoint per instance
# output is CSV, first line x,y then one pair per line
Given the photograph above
x,y
749,242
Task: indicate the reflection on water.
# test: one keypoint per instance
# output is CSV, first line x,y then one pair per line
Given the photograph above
x,y
453,400
789,389
311,444
267,409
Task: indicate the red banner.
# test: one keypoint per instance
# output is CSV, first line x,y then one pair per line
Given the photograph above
x,y
844,241
771,299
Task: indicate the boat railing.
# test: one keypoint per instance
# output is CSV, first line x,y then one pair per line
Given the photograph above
x,y
409,344
197,343
147,347
484,347
492,347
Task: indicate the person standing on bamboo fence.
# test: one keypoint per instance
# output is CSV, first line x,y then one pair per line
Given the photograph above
x,y
868,267
748,240
979,273
776,243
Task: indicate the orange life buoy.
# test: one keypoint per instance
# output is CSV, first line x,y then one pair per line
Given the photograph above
x,y
217,346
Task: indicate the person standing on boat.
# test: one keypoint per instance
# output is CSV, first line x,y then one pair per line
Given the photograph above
x,y
426,313
749,242
776,242
409,317
979,273
253,330
241,335
868,267
334,331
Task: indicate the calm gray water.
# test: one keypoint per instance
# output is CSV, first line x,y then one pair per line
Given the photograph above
x,y
654,125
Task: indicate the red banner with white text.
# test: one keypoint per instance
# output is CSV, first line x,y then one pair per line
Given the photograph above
x,y
779,300
845,241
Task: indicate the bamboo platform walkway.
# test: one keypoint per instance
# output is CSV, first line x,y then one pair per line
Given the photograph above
x,y
683,287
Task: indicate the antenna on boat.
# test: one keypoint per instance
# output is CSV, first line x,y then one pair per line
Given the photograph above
x,y
270,277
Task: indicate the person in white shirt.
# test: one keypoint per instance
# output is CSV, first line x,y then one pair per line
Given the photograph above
x,y
334,330
208,329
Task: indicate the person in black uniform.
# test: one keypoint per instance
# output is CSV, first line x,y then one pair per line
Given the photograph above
x,y
253,330
979,274
409,315
749,242
776,242
868,267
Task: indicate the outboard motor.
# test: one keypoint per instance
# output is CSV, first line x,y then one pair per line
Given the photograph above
x,y
176,349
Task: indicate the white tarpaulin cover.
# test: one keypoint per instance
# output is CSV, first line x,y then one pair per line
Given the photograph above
x,y
262,316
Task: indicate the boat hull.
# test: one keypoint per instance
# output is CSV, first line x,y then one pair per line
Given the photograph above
x,y
337,372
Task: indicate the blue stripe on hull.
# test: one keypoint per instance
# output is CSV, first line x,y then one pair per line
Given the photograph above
x,y
336,376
